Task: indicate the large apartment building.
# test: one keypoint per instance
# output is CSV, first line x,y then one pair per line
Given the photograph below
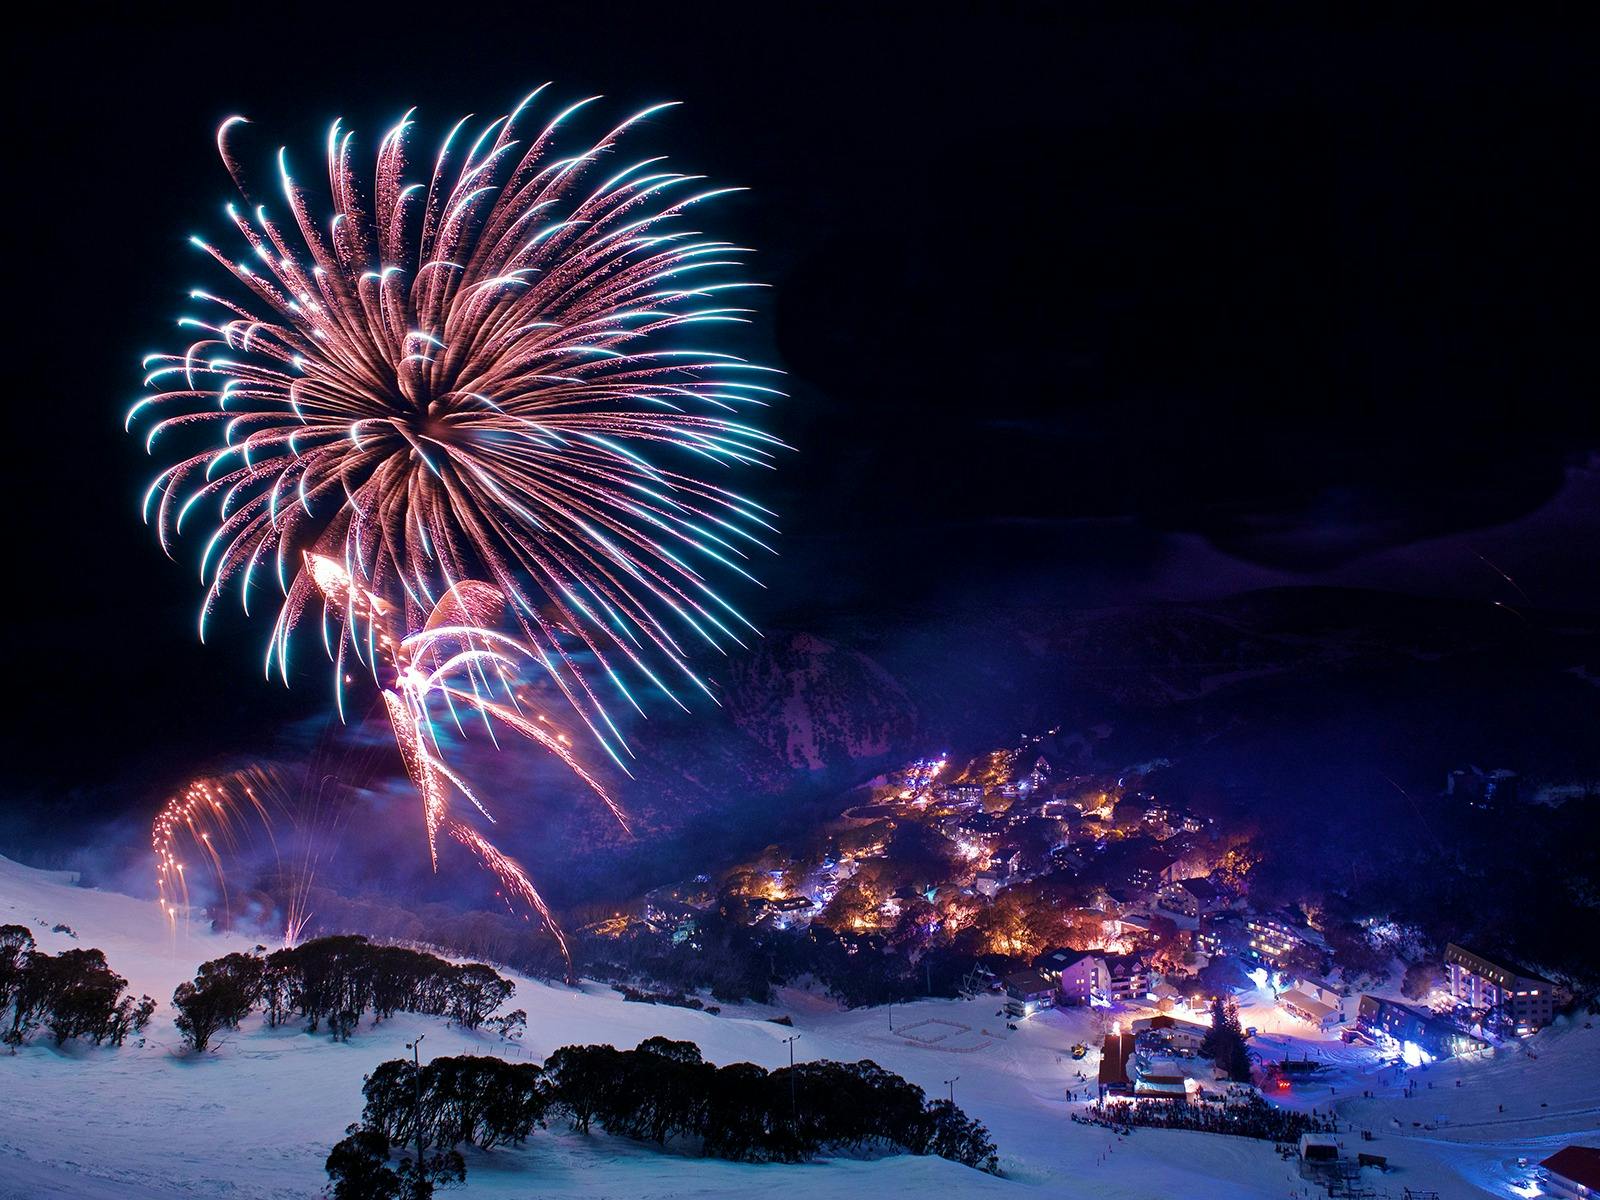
x,y
1503,999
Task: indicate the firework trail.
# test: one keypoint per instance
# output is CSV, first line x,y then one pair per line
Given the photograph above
x,y
209,815
488,373
513,881
452,660
472,391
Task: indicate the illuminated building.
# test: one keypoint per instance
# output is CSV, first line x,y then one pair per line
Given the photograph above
x,y
1192,897
963,793
1420,1036
1128,975
1573,1172
1081,975
1504,1000
1272,940
1027,992
1315,1002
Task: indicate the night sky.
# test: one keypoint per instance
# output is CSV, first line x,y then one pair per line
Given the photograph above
x,y
1100,310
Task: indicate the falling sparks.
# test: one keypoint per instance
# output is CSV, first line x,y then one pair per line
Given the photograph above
x,y
513,880
457,660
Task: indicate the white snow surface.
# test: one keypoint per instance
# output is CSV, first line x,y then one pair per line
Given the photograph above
x,y
255,1117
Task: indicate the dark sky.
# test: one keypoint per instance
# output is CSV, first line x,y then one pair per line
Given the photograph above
x,y
1099,309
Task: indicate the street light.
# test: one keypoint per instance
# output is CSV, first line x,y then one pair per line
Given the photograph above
x,y
951,1084
794,1095
416,1077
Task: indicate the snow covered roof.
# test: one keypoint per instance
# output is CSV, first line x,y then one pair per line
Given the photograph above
x,y
1307,1004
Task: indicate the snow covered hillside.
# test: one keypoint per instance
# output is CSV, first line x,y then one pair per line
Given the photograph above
x,y
256,1117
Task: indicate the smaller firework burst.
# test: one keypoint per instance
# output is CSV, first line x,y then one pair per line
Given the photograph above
x,y
456,661
205,822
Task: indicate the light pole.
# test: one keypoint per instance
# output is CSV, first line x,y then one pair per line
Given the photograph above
x,y
951,1084
416,1078
794,1095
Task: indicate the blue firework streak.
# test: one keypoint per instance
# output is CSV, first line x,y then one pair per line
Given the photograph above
x,y
488,370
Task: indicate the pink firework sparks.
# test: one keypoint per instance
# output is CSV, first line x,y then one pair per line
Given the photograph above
x,y
487,369
457,659
209,815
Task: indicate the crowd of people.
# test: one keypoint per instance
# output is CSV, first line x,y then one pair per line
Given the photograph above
x,y
1242,1116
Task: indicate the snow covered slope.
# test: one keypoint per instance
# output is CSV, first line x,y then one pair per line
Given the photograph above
x,y
256,1117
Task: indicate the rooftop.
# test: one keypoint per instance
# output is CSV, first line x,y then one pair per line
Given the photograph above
x,y
1581,1164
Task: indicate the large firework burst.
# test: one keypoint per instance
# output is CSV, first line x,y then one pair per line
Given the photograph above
x,y
482,373
465,394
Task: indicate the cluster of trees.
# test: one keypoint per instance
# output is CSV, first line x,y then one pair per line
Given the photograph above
x,y
735,962
662,1091
1225,1043
665,1090
338,980
72,994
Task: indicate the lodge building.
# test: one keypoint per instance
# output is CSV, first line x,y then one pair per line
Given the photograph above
x,y
1502,999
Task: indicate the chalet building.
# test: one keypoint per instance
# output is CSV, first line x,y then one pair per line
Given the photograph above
x,y
1316,1003
1192,897
1077,795
1573,1172
1192,856
1072,859
1128,818
1273,941
1221,933
1132,923
1405,1026
1025,779
1127,976
1166,994
1037,776
1502,999
988,883
1170,1034
1027,992
980,825
1080,975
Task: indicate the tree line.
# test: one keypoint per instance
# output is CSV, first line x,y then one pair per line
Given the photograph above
x,y
723,955
338,980
74,994
662,1091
